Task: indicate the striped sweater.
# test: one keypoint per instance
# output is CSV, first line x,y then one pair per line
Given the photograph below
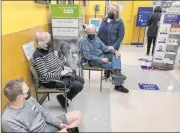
x,y
47,64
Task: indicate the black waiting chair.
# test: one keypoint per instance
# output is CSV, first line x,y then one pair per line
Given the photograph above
x,y
85,66
40,89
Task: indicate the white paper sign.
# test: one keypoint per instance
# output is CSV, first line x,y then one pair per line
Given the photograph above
x,y
28,50
64,22
68,32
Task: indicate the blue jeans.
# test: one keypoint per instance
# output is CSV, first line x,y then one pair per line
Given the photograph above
x,y
114,62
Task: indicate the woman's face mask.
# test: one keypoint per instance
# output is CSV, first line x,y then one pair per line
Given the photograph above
x,y
49,44
111,15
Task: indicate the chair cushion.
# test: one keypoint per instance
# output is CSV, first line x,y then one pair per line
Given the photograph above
x,y
86,66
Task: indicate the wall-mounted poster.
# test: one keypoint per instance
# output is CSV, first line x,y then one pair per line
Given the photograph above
x,y
143,15
68,51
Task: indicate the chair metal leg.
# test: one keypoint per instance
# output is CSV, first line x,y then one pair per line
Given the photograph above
x,y
65,98
48,97
36,93
89,74
101,80
106,75
82,73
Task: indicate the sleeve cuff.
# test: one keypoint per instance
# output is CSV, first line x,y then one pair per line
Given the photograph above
x,y
114,51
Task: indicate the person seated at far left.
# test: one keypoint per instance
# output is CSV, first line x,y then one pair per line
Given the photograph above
x,y
25,114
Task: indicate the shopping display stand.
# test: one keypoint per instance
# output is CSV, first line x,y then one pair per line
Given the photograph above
x,y
167,42
67,28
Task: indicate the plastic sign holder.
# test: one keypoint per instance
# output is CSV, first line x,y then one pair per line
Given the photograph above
x,y
167,42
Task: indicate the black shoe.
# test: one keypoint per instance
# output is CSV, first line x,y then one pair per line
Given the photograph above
x,y
147,54
121,88
61,100
117,73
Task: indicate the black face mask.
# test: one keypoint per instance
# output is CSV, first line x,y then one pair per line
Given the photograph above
x,y
91,36
49,44
28,94
111,15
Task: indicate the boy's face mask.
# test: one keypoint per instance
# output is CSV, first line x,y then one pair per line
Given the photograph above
x,y
28,94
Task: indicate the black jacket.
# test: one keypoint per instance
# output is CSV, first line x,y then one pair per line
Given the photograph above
x,y
153,21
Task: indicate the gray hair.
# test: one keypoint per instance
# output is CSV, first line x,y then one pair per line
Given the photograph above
x,y
116,5
13,88
91,26
42,38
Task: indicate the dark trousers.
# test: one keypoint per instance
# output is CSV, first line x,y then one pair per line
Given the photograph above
x,y
75,86
150,40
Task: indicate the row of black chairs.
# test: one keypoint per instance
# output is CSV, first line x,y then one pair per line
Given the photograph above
x,y
40,89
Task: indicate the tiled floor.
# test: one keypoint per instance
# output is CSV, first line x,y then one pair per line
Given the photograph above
x,y
137,111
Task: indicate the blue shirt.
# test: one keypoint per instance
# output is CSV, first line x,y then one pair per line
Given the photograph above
x,y
94,49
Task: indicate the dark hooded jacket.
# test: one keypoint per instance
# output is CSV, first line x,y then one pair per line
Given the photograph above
x,y
153,21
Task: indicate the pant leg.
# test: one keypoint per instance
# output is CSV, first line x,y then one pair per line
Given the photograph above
x,y
108,65
79,79
76,86
107,73
149,44
116,62
57,85
154,41
118,81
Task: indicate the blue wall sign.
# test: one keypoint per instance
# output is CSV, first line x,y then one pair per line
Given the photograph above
x,y
143,15
148,86
171,19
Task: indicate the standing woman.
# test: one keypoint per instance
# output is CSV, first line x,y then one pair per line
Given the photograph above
x,y
111,31
153,27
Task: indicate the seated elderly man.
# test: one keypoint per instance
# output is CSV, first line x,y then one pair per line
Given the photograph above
x,y
50,69
25,114
96,52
